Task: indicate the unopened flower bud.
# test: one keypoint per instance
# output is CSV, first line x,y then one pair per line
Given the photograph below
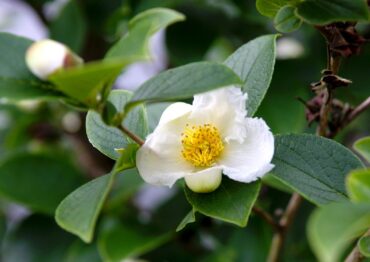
x,y
47,56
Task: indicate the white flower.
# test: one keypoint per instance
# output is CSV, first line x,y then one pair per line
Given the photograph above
x,y
46,56
201,141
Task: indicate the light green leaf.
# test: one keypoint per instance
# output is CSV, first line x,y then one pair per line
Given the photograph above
x,y
79,211
16,81
332,228
358,185
107,138
184,82
313,166
85,82
286,21
189,218
362,146
141,28
119,242
38,180
231,202
271,7
364,246
254,62
69,27
328,11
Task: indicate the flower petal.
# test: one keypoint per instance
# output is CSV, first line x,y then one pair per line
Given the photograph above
x,y
159,160
204,181
224,108
249,160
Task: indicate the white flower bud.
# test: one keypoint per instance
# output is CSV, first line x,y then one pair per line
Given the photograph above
x,y
47,56
204,182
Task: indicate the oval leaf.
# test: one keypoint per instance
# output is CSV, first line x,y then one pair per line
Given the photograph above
x,y
254,62
332,228
231,202
328,11
364,246
52,177
358,185
271,7
286,21
314,166
108,138
184,82
16,81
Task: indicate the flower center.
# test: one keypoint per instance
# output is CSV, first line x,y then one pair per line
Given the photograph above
x,y
202,145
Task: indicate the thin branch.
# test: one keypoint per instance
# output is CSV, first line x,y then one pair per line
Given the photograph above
x,y
355,255
358,110
267,217
284,224
131,135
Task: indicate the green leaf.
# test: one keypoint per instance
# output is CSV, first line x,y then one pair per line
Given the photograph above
x,y
108,138
81,252
332,228
271,7
120,241
184,82
362,146
141,28
328,11
286,21
364,246
69,27
38,180
85,82
254,62
36,238
16,81
189,218
358,185
313,166
231,202
79,211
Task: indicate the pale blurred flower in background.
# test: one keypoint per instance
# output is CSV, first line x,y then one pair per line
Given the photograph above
x,y
289,48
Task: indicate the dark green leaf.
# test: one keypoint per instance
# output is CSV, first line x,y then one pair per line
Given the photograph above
x,y
69,27
328,11
184,82
38,180
313,166
332,228
16,81
231,202
362,146
119,242
286,21
271,7
36,239
107,138
358,185
254,63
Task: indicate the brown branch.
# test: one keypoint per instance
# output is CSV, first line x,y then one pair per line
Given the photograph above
x,y
267,217
284,224
355,255
131,135
358,110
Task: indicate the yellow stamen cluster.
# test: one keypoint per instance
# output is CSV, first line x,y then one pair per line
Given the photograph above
x,y
202,145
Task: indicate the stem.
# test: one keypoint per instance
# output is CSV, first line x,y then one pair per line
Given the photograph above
x,y
284,223
355,255
267,217
131,135
358,110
